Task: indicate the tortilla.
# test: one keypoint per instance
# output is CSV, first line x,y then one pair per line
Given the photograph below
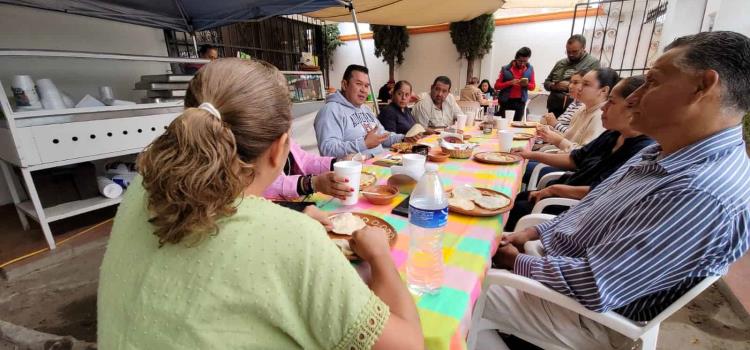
x,y
496,157
462,203
343,245
491,202
466,192
346,223
415,130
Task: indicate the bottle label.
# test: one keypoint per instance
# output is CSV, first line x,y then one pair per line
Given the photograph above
x,y
428,218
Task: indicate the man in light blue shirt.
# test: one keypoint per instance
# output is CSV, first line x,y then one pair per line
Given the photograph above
x,y
674,214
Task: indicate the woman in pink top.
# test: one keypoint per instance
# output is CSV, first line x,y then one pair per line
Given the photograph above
x,y
304,174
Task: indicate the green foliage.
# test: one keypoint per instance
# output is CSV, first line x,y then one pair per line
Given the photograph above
x,y
330,41
473,39
390,43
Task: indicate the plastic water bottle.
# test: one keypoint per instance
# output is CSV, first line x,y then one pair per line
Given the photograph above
x,y
428,215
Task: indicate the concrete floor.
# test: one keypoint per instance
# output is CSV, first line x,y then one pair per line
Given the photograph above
x,y
60,298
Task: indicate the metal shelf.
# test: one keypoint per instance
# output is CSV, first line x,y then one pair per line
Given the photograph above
x,y
84,110
69,209
96,55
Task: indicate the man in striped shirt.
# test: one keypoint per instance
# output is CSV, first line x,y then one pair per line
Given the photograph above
x,y
561,124
675,213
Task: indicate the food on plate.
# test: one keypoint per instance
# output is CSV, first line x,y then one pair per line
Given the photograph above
x,y
469,198
467,192
497,157
452,139
415,130
367,179
522,136
381,195
344,246
346,223
492,202
402,147
404,183
462,203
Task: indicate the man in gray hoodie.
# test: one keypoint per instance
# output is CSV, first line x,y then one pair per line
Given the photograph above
x,y
345,125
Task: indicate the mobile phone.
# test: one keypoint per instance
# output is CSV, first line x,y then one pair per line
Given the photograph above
x,y
402,209
296,206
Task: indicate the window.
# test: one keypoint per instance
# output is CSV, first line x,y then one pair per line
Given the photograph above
x,y
277,40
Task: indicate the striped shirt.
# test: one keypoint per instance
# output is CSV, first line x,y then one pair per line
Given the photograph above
x,y
563,121
652,230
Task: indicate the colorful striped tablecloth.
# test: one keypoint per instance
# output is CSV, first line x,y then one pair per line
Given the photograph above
x,y
468,243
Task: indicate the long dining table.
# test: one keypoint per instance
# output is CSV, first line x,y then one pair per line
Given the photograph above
x,y
468,242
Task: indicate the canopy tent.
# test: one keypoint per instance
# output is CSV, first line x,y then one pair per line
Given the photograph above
x,y
410,12
183,15
540,3
196,15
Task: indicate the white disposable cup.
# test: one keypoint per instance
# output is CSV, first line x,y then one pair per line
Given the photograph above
x,y
413,161
351,170
510,114
24,92
461,121
506,140
108,188
51,98
105,92
502,123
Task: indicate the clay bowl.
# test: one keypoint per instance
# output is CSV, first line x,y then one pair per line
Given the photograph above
x,y
404,183
381,194
437,156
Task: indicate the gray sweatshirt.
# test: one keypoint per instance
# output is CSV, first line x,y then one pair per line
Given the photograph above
x,y
340,128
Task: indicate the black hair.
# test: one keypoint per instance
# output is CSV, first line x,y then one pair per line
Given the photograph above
x,y
631,84
523,52
401,84
727,53
581,72
489,86
442,79
203,49
607,77
579,38
353,68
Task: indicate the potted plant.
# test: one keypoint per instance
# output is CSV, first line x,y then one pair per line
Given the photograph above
x,y
390,44
473,39
330,42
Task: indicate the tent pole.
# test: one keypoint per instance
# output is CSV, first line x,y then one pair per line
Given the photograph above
x,y
362,51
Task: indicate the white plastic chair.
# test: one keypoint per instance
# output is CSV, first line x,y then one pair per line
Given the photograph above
x,y
535,183
648,332
539,206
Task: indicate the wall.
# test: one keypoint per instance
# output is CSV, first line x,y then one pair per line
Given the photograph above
x,y
547,46
732,15
28,28
433,54
683,17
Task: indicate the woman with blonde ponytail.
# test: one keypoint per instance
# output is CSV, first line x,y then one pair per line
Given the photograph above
x,y
197,259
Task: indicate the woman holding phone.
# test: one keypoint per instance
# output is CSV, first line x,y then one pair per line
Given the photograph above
x,y
514,83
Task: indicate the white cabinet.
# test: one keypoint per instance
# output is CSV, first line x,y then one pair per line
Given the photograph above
x,y
35,140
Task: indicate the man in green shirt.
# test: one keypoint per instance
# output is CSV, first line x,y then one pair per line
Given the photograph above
x,y
559,78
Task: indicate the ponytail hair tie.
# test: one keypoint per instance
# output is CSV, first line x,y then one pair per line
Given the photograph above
x,y
208,107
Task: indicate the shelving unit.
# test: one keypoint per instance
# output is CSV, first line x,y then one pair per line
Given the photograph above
x,y
43,139
35,140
